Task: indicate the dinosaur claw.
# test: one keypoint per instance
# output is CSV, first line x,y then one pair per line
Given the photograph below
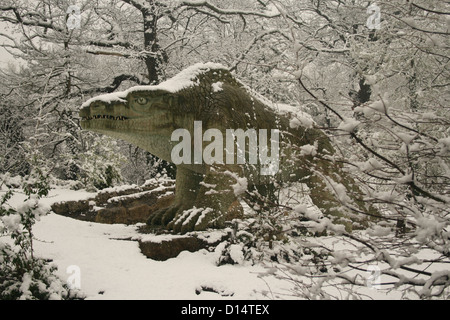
x,y
163,217
192,219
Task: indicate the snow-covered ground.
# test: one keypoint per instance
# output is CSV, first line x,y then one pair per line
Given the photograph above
x,y
111,267
116,269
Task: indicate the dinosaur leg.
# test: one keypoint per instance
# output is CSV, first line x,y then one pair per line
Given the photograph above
x,y
186,190
337,195
216,203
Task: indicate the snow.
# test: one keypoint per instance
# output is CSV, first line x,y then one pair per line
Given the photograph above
x,y
212,236
305,211
340,190
25,287
192,213
436,275
301,119
445,145
240,187
11,222
369,165
118,189
429,226
107,98
378,106
379,231
157,238
271,10
236,253
324,224
182,80
406,138
429,115
186,78
410,21
348,125
368,111
111,265
371,79
217,86
297,117
407,178
136,195
203,215
308,150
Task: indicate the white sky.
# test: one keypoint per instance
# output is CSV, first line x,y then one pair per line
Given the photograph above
x,y
5,57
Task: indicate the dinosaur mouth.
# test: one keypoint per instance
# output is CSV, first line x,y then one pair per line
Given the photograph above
x,y
106,117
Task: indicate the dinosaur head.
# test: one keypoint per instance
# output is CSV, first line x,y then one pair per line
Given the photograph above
x,y
146,116
121,112
142,117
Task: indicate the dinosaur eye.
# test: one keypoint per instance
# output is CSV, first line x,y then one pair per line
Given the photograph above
x,y
142,100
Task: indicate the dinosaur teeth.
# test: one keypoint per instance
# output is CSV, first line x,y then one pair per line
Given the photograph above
x,y
108,117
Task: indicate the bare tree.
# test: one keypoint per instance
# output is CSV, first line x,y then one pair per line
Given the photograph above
x,y
389,120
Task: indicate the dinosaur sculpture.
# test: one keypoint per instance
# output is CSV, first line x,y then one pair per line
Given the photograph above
x,y
207,195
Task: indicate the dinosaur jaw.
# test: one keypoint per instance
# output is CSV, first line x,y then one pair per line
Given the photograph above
x,y
104,117
98,114
150,132
113,125
139,132
91,120
107,118
102,121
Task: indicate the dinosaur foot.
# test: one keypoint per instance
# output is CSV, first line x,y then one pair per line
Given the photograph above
x,y
194,219
162,217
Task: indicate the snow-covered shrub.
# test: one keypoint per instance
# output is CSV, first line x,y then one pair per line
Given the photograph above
x,y
12,156
23,278
99,165
142,166
22,275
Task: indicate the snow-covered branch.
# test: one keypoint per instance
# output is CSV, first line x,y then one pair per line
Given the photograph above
x,y
213,8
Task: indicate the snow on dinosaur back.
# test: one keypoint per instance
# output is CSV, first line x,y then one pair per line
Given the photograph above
x,y
182,80
186,78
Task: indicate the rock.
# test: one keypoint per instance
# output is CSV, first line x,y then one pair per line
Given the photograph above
x,y
103,196
171,247
132,209
111,215
82,209
138,213
125,205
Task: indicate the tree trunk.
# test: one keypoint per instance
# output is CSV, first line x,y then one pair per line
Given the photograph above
x,y
152,53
